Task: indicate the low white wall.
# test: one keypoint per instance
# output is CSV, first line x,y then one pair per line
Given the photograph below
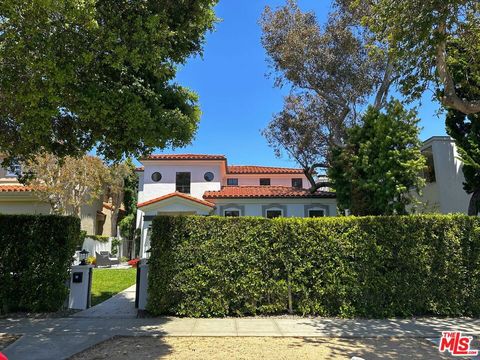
x,y
92,246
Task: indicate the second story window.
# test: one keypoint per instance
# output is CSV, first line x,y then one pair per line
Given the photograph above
x,y
183,180
297,183
429,173
232,182
264,182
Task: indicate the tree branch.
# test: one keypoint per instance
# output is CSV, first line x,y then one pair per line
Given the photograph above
x,y
384,87
450,97
309,175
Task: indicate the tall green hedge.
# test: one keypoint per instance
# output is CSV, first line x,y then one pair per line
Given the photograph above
x,y
35,255
349,267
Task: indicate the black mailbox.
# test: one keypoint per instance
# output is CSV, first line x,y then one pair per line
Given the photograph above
x,y
77,277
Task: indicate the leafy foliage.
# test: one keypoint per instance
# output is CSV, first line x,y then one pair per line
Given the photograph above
x,y
128,225
66,184
97,73
417,33
35,257
381,162
367,267
465,129
330,72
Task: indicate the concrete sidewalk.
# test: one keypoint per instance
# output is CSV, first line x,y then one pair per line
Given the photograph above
x,y
63,337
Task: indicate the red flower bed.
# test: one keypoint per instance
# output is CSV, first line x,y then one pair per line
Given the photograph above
x,y
134,262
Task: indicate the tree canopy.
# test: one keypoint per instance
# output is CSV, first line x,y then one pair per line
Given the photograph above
x,y
330,72
75,75
374,173
417,32
66,184
465,129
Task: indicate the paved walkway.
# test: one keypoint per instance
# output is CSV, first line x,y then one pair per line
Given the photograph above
x,y
122,306
60,338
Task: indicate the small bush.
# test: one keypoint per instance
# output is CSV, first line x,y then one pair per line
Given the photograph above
x,y
368,267
36,252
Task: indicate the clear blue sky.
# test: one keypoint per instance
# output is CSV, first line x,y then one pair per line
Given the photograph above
x,y
236,97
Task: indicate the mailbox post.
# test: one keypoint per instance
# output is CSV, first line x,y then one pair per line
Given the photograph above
x,y
80,287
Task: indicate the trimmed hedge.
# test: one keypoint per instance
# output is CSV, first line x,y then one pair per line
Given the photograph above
x,y
349,267
35,256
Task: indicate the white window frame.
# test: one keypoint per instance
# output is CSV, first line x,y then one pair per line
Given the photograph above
x,y
232,209
317,209
274,209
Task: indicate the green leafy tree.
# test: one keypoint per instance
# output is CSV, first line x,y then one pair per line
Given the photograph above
x,y
417,33
465,129
331,74
75,75
380,163
128,225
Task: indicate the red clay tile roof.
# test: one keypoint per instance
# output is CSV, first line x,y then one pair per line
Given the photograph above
x,y
228,192
184,157
247,169
15,188
179,194
141,168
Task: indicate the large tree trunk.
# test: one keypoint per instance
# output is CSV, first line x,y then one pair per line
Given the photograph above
x,y
474,203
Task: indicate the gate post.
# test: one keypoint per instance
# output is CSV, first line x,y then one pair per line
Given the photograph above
x,y
142,284
80,287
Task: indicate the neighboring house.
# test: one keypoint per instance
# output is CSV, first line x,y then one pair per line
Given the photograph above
x,y
444,191
205,185
16,198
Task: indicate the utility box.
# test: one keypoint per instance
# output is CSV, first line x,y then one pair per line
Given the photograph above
x,y
80,287
142,284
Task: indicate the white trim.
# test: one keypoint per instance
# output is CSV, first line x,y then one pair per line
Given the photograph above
x,y
232,209
274,209
317,209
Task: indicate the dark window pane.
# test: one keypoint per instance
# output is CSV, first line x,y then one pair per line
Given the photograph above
x,y
316,213
232,182
156,176
271,214
264,182
429,173
208,176
297,183
232,213
183,182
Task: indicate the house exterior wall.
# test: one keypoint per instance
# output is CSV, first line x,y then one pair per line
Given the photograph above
x,y
290,207
446,194
149,189
29,207
275,179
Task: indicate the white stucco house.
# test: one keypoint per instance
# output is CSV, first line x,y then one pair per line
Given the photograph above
x,y
444,191
206,185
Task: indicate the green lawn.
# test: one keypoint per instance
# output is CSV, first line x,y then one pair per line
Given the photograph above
x,y
108,282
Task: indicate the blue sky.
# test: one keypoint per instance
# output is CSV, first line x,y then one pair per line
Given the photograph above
x,y
236,97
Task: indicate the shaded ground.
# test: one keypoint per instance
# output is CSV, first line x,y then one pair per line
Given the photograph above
x,y
126,348
108,282
7,339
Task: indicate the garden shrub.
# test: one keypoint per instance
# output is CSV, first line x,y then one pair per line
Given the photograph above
x,y
35,256
346,266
